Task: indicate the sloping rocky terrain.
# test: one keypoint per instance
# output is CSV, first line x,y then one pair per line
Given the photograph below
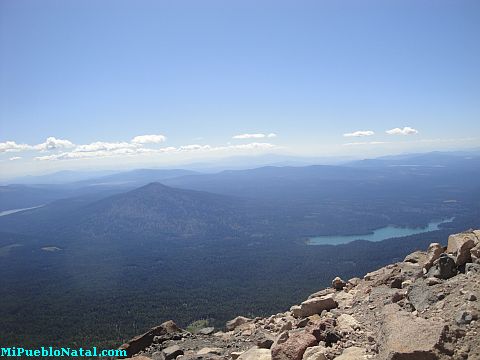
x,y
426,307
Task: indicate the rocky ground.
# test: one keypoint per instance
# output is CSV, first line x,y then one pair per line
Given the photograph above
x,y
425,307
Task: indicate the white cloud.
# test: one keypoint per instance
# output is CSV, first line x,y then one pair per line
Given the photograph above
x,y
12,146
405,131
149,139
359,133
15,158
254,136
53,143
105,146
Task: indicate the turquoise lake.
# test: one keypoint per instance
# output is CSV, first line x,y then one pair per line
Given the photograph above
x,y
377,235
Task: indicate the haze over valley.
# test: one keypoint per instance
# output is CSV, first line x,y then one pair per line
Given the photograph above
x,y
191,245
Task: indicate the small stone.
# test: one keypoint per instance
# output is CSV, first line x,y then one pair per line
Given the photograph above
x,y
172,352
236,354
471,296
209,350
397,296
265,340
338,284
206,331
472,268
433,281
466,317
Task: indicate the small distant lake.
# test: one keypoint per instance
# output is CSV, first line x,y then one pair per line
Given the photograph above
x,y
378,234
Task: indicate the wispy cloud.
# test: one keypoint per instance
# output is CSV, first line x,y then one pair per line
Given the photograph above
x,y
15,158
149,139
407,130
133,151
366,143
254,136
360,133
105,146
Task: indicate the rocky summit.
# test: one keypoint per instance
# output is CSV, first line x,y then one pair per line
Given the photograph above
x,y
423,308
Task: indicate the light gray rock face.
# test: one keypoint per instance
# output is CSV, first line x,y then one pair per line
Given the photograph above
x,y
407,337
315,353
417,257
421,295
239,320
256,354
347,323
433,253
444,267
475,253
172,352
352,353
209,350
206,331
314,306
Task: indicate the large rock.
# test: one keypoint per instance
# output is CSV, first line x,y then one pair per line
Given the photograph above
x,y
352,353
314,306
294,347
404,336
315,353
140,342
460,244
239,320
256,354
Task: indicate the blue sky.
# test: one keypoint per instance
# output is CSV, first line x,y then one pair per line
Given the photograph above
x,y
92,75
